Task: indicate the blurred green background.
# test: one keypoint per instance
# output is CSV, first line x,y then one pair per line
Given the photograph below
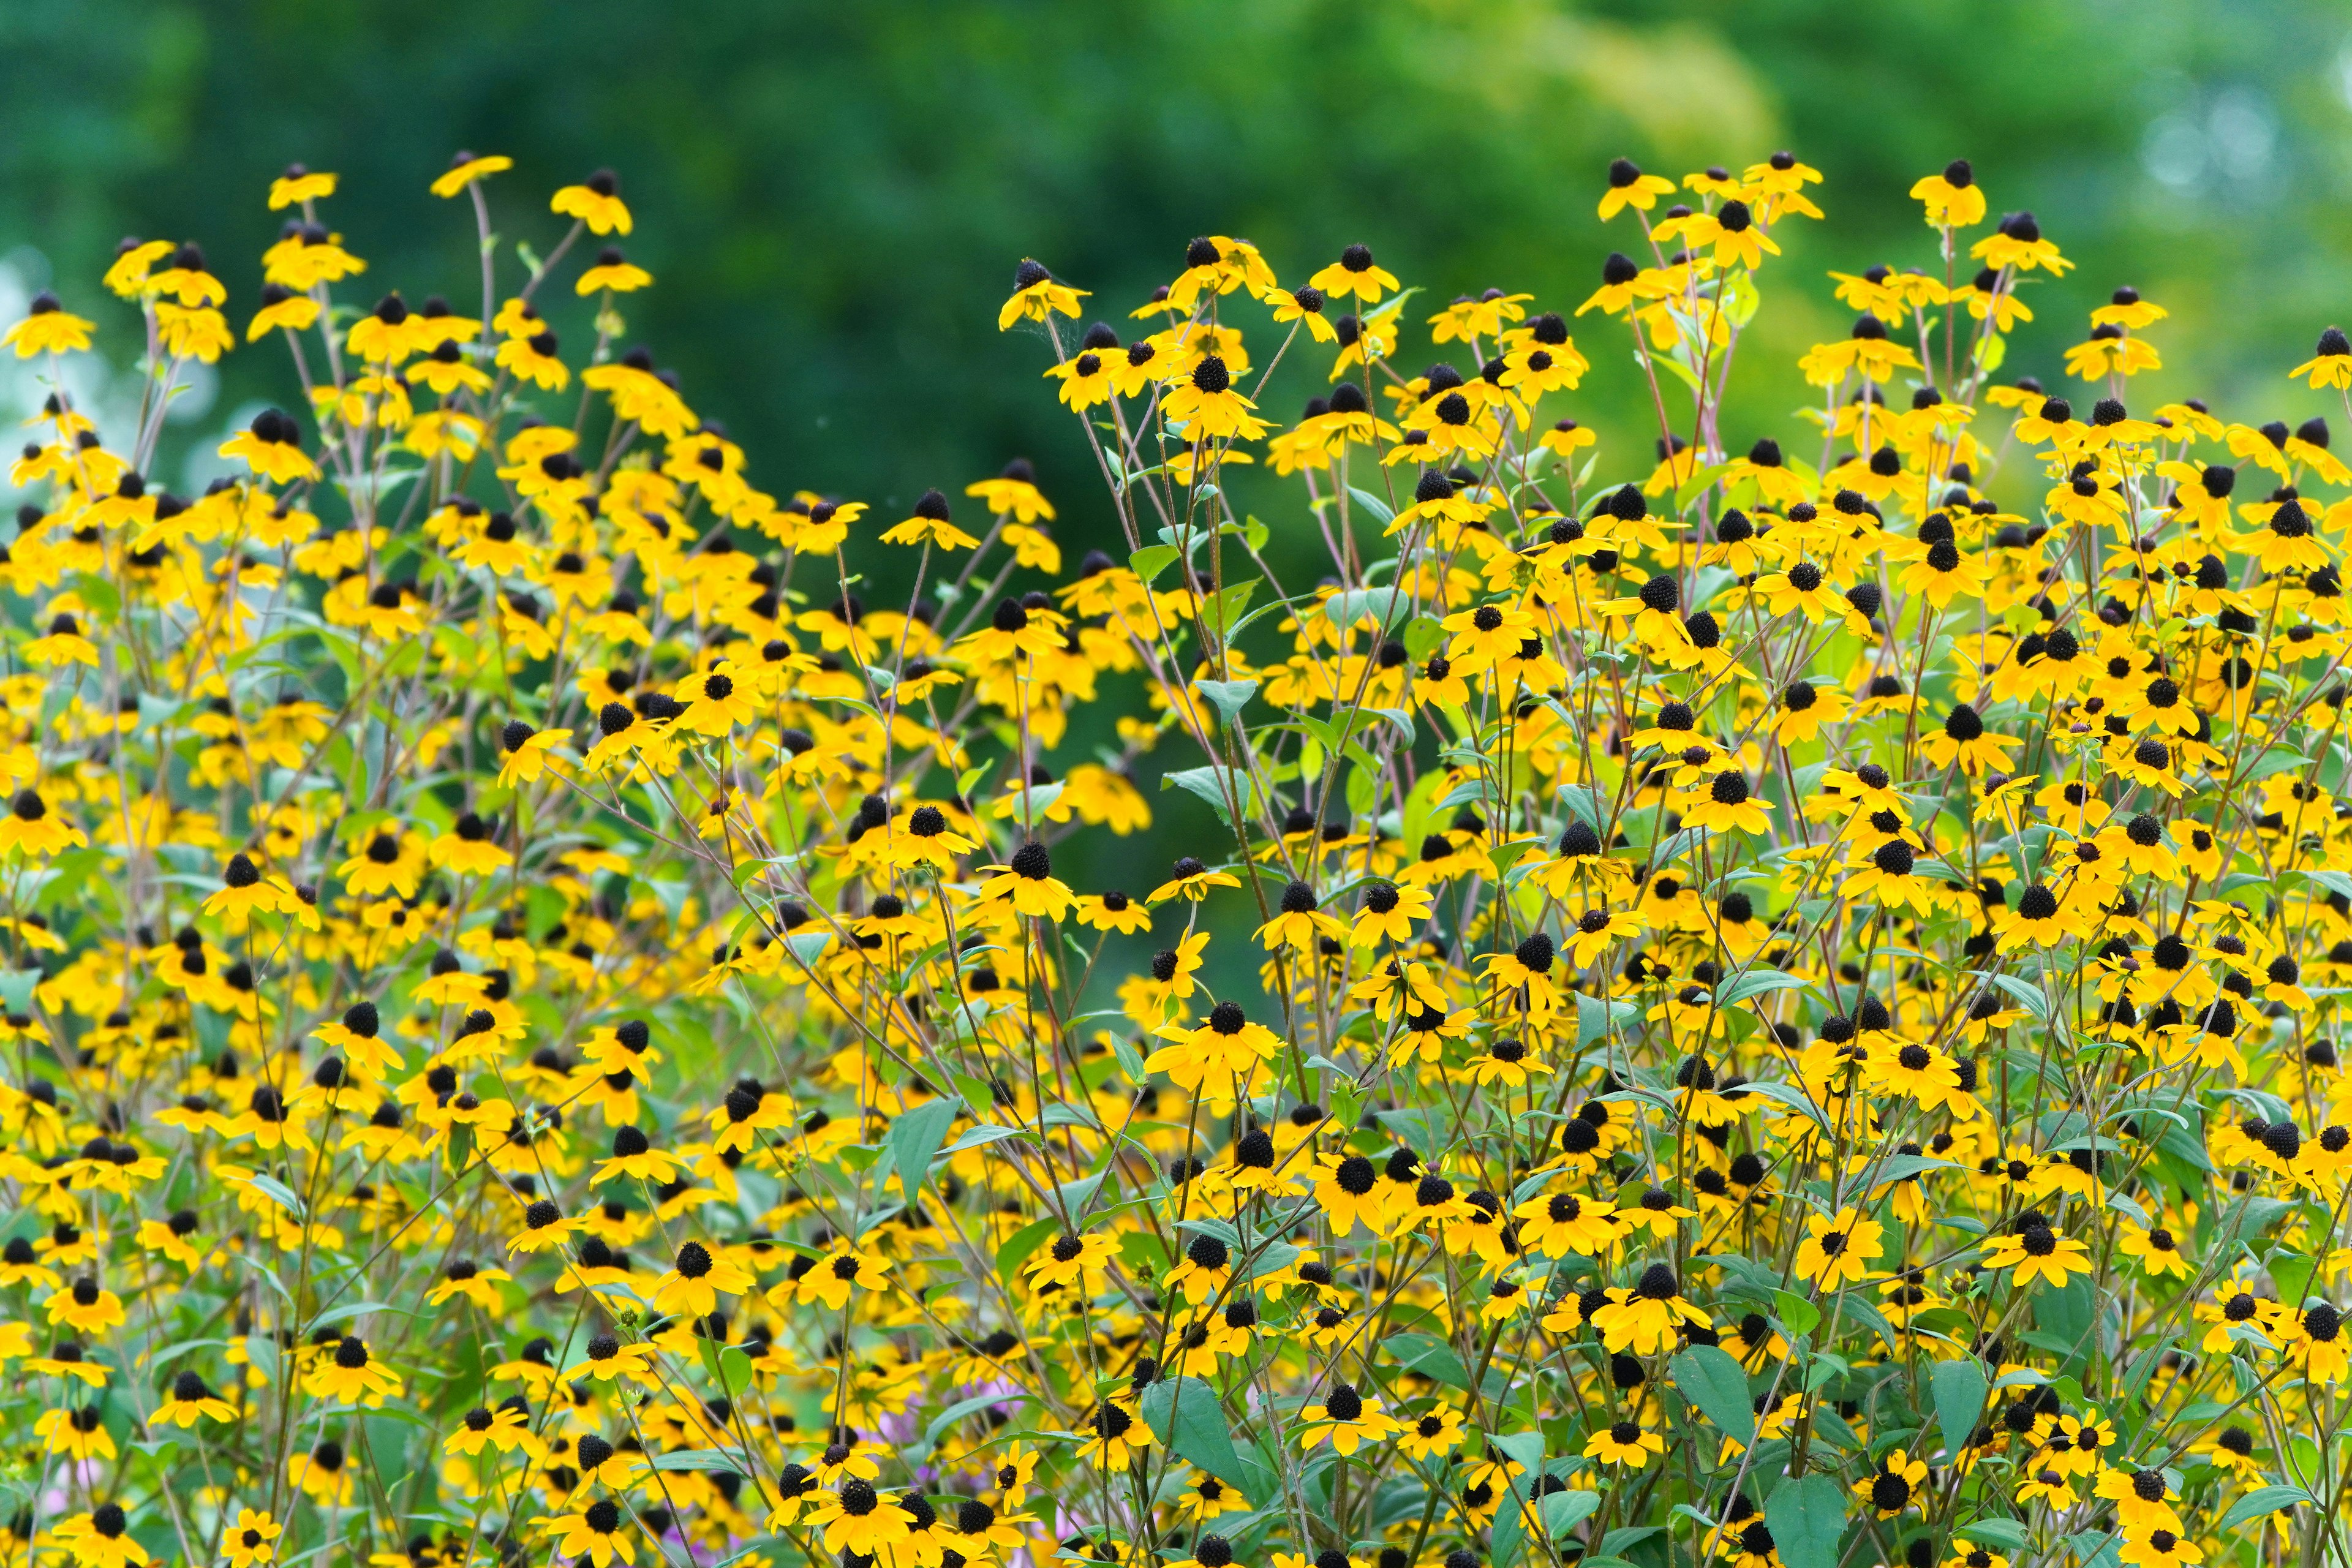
x,y
833,196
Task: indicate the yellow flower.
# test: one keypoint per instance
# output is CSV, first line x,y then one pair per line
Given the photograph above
x,y
350,1374
1894,1486
1036,297
1628,186
1344,1419
2033,1251
612,271
1623,1444
1645,1318
1952,199
597,1534
2330,363
1839,1248
253,1538
466,169
595,201
189,1400
48,329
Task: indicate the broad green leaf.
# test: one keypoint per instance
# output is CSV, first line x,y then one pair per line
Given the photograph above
x,y
1756,983
1152,559
1806,1516
277,1191
1960,1388
964,1407
1379,509
2024,994
976,1137
1525,1449
1790,1095
2009,1534
1023,1242
1432,1357
916,1136
1203,783
2260,1501
1183,1413
1387,606
1226,604
716,1461
17,989
1228,694
1595,1016
1711,1380
1563,1511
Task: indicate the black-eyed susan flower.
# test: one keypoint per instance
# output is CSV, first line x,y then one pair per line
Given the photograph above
x,y
1643,1317
1345,1419
349,1374
597,1534
1838,1249
250,1539
2032,1250
1625,1444
1951,199
1036,296
48,327
190,1399
931,524
1894,1486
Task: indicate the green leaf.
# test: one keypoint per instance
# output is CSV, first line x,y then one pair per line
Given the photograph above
x,y
2008,1534
716,1461
1021,1243
1525,1449
1152,559
1203,783
2067,1313
915,1138
1791,1095
2260,1501
1711,1380
964,1407
1379,509
1183,1413
2276,761
2025,994
350,1310
1595,1016
1226,605
1563,1511
1901,1167
1228,694
734,1370
1432,1357
1387,606
1960,1387
277,1193
1797,1315
1807,1517
17,989
2093,1548
987,1132
1756,983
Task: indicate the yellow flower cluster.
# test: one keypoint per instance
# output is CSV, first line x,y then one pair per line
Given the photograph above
x,y
1777,1007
